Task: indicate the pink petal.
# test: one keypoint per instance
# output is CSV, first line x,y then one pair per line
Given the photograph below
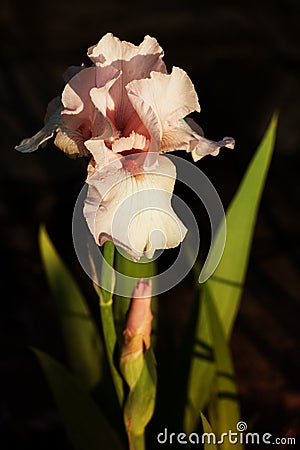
x,y
189,136
133,141
70,142
110,50
72,71
139,316
101,154
207,147
79,111
162,100
147,208
134,63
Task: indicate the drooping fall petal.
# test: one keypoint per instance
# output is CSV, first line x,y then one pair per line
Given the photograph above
x,y
133,208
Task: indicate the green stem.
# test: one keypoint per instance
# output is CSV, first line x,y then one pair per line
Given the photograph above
x,y
136,442
106,312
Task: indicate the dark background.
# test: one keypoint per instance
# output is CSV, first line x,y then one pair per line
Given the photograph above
x,y
244,59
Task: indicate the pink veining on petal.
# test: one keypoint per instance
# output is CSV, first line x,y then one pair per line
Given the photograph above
x,y
134,63
79,112
162,100
117,199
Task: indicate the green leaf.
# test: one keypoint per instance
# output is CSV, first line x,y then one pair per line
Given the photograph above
x,y
81,338
85,423
140,402
227,282
208,445
225,286
224,411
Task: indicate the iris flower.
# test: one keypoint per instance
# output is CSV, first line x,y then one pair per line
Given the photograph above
x,y
124,112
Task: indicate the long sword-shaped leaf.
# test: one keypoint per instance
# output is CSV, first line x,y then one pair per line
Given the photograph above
x,y
81,338
87,427
225,286
224,411
208,435
227,281
140,403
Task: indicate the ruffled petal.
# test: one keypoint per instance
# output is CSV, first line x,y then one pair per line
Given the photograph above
x,y
110,50
207,147
79,111
181,137
31,144
70,142
102,155
185,137
167,97
134,63
134,210
133,141
161,101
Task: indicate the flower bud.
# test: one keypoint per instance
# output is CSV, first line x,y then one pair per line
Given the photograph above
x,y
137,332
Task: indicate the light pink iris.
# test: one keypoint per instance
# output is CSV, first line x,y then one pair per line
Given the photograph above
x,y
124,111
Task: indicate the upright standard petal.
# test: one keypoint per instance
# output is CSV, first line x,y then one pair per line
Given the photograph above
x,y
74,118
79,112
111,49
134,63
162,100
134,209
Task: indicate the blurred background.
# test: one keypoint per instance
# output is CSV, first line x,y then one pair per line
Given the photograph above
x,y
244,59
